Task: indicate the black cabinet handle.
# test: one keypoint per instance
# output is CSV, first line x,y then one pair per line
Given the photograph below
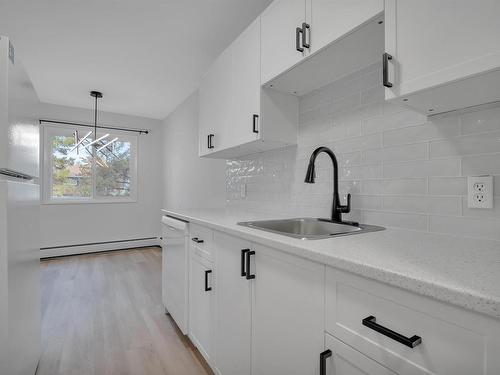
x,y
243,253
197,240
298,31
248,275
322,361
207,288
209,141
411,342
385,70
254,124
305,27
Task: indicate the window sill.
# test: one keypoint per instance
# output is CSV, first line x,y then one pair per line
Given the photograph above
x,y
93,201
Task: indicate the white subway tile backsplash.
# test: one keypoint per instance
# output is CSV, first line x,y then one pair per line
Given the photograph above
x,y
447,186
402,169
423,204
481,164
367,202
395,219
365,142
431,130
395,186
422,168
359,172
392,121
402,153
466,226
465,145
484,213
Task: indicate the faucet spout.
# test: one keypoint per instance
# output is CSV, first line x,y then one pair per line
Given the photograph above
x,y
337,208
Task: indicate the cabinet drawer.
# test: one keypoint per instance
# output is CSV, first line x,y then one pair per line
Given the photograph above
x,y
344,360
446,347
202,240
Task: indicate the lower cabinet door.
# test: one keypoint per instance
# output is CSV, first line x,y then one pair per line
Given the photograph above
x,y
288,313
233,322
201,311
341,359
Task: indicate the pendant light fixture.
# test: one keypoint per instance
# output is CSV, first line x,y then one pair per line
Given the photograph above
x,y
96,95
96,142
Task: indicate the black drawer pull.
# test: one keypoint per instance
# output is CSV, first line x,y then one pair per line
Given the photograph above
x,y
248,275
209,141
243,253
385,70
298,32
322,361
305,27
254,124
411,342
197,240
207,288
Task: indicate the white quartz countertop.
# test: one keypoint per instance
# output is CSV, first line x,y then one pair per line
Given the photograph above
x,y
463,272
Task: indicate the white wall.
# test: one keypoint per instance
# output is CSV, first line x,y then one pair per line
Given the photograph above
x,y
402,169
71,224
189,181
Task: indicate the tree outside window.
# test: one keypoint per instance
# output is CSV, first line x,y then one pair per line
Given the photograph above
x,y
75,175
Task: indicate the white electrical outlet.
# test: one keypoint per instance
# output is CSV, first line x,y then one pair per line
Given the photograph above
x,y
480,191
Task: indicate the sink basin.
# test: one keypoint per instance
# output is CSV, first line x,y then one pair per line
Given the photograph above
x,y
310,228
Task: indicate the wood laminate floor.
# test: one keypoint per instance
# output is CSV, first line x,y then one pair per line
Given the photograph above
x,y
102,315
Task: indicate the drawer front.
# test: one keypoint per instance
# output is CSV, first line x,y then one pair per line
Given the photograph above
x,y
445,348
344,360
202,240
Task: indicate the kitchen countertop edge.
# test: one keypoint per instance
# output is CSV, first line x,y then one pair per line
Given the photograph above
x,y
468,298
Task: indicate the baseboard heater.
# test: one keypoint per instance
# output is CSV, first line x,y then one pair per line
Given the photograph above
x,y
95,247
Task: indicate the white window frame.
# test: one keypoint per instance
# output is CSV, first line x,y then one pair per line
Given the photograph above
x,y
48,131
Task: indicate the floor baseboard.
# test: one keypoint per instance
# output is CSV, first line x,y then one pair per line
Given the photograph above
x,y
59,251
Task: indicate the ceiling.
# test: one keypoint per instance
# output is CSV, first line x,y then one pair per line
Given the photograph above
x,y
146,56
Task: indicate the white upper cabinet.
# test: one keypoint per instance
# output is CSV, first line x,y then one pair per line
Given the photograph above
x,y
332,19
237,116
245,71
215,99
282,38
294,29
445,54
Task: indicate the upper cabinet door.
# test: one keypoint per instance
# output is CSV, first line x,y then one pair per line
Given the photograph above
x,y
245,120
215,99
434,43
279,30
331,19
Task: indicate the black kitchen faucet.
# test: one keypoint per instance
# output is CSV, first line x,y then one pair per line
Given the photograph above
x,y
337,208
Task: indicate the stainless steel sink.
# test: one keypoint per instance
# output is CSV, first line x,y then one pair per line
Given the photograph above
x,y
310,228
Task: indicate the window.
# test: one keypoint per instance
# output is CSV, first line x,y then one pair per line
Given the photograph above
x,y
72,175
